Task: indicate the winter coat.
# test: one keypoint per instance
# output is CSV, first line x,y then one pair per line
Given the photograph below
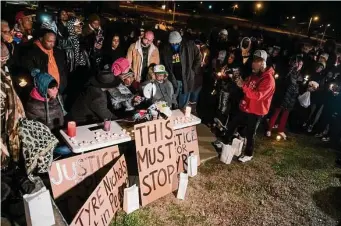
x,y
258,93
135,57
88,39
35,58
91,106
50,113
164,92
289,90
190,62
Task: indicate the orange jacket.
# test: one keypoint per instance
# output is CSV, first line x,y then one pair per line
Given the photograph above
x,y
258,92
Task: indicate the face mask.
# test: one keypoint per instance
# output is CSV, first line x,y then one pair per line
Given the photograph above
x,y
176,47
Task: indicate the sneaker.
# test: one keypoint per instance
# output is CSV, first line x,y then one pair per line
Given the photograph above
x,y
275,126
268,133
245,158
219,123
310,128
325,139
283,135
218,144
319,135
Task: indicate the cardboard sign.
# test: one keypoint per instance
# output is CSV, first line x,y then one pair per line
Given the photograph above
x,y
185,143
67,173
156,159
106,199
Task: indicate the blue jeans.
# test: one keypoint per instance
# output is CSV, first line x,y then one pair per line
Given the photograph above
x,y
194,96
183,98
62,150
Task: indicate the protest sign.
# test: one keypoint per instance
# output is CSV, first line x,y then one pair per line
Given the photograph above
x,y
156,159
67,173
185,143
106,199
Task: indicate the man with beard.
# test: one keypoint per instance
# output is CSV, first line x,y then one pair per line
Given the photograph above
x,y
258,90
141,54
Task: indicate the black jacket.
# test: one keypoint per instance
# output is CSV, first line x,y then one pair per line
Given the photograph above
x,y
91,106
190,61
35,58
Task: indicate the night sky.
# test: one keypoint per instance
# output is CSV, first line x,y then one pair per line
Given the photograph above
x,y
274,13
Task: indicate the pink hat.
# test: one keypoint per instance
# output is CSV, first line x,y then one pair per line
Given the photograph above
x,y
120,66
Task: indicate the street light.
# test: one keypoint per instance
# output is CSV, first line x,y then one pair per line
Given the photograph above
x,y
315,18
293,17
163,7
259,5
201,3
234,8
328,25
210,6
287,18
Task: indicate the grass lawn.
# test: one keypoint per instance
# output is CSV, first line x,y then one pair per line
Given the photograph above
x,y
288,183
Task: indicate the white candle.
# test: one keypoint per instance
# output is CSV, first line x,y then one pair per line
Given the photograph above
x,y
203,59
188,111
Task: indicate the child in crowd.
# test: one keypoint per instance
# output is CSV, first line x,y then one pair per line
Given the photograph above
x,y
163,91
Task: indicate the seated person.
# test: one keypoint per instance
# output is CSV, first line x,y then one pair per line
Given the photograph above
x,y
44,103
123,96
91,105
157,75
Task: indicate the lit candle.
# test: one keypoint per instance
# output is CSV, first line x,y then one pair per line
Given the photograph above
x,y
203,59
188,111
71,129
278,138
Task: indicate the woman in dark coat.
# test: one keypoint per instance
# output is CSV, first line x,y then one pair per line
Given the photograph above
x,y
288,98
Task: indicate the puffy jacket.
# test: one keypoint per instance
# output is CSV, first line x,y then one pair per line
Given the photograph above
x,y
50,113
258,92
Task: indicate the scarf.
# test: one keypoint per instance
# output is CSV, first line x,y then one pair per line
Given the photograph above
x,y
11,110
38,144
73,38
52,65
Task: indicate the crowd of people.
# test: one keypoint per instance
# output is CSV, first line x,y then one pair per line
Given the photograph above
x,y
55,71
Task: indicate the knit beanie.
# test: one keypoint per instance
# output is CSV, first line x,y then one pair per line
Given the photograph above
x,y
120,66
174,37
41,81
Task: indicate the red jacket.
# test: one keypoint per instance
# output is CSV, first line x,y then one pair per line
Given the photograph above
x,y
258,92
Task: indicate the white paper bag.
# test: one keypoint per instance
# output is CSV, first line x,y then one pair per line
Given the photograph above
x,y
304,99
38,208
182,186
192,168
131,199
227,154
237,146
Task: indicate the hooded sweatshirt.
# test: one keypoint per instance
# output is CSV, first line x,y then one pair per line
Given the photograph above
x,y
245,51
258,93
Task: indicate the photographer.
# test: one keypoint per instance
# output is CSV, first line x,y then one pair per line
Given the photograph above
x,y
258,90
